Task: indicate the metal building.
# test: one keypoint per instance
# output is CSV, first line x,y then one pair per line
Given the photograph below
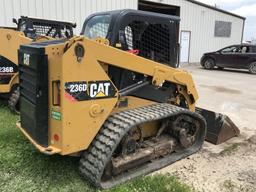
x,y
203,28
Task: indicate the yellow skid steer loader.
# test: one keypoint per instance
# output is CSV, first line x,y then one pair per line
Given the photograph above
x,y
116,101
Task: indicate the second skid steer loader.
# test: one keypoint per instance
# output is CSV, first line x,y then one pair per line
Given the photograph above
x,y
117,102
28,30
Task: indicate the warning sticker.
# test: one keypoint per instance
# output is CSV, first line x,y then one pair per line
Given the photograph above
x,y
56,115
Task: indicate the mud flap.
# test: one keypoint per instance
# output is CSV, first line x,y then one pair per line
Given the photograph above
x,y
220,128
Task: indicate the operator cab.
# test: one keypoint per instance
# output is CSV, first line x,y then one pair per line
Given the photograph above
x,y
150,35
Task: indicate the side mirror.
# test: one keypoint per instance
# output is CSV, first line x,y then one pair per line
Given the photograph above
x,y
15,21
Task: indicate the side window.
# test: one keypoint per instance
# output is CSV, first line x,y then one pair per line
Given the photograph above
x,y
232,49
97,26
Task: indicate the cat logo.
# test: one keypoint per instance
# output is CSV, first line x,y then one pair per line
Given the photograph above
x,y
99,89
89,90
26,59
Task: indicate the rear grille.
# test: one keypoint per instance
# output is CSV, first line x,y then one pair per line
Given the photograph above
x,y
34,93
28,84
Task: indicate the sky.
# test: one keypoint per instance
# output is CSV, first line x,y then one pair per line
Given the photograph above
x,y
245,8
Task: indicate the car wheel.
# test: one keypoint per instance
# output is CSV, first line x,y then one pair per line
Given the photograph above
x,y
252,68
209,63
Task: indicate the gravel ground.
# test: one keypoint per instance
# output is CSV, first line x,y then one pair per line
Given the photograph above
x,y
230,166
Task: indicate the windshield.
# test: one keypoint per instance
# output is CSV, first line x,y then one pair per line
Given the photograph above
x,y
97,26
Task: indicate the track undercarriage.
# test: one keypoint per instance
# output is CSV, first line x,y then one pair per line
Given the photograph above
x,y
120,152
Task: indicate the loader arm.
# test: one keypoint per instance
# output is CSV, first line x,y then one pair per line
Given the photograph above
x,y
159,72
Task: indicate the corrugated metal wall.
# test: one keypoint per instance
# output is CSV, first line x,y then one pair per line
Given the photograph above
x,y
201,21
70,10
197,19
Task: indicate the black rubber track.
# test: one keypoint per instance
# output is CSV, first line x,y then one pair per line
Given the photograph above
x,y
94,159
14,100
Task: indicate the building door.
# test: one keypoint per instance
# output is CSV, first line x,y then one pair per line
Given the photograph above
x,y
185,46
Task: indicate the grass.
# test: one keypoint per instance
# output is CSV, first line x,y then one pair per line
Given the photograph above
x,y
229,185
24,169
230,149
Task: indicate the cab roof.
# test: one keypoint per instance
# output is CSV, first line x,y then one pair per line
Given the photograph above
x,y
124,12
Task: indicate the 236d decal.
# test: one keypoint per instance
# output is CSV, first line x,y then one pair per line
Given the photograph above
x,y
82,90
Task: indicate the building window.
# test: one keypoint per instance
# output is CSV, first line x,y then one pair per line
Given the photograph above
x,y
222,29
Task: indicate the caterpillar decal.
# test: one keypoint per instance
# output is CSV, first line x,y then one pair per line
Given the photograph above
x,y
82,90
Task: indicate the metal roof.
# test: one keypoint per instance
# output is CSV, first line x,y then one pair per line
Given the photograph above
x,y
215,8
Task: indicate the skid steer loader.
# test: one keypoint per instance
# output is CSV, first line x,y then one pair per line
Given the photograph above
x,y
28,30
116,101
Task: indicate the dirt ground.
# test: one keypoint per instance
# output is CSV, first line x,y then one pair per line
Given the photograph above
x,y
230,166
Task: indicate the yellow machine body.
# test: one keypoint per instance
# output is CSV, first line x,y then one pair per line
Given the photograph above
x,y
79,122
